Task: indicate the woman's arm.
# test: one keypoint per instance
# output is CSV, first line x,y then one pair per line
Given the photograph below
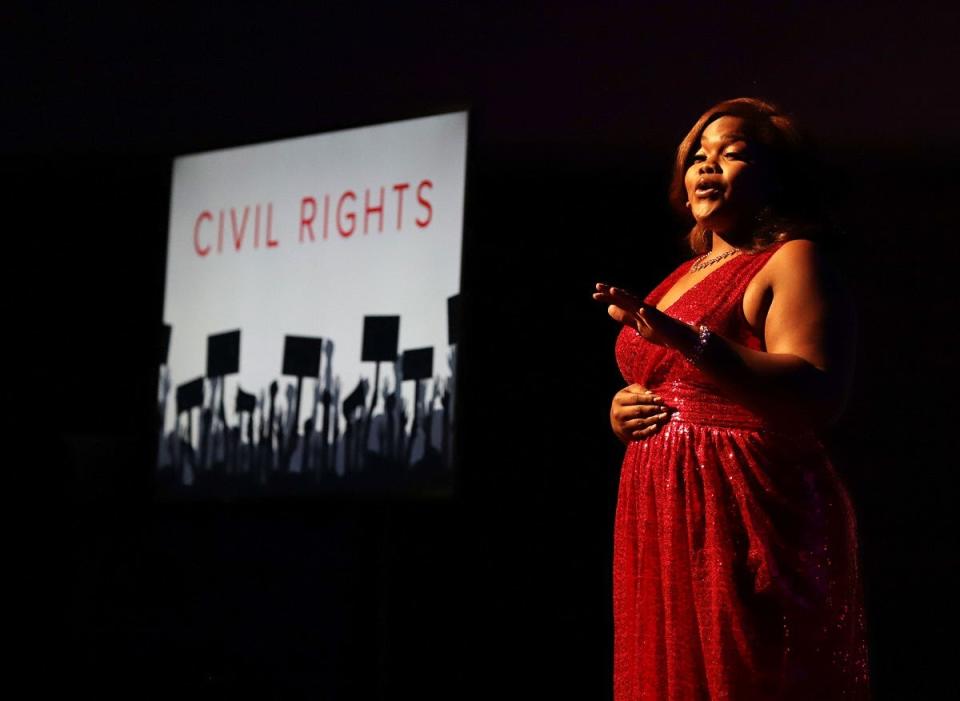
x,y
809,332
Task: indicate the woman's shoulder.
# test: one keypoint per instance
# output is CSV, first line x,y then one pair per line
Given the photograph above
x,y
798,248
790,254
798,261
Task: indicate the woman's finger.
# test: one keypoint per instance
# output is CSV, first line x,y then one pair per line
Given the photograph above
x,y
644,432
634,411
641,422
624,298
639,410
627,398
618,296
620,314
637,391
626,317
642,320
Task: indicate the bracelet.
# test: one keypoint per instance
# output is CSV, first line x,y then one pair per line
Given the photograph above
x,y
695,355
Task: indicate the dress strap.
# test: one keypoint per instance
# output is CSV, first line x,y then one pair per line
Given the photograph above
x,y
750,266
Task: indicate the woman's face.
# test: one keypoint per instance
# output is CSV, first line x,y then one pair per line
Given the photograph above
x,y
726,183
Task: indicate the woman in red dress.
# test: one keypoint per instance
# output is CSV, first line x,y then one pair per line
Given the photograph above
x,y
735,546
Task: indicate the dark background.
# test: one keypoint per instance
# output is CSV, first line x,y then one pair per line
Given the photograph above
x,y
503,591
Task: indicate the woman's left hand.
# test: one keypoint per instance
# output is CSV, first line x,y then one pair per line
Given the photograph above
x,y
647,320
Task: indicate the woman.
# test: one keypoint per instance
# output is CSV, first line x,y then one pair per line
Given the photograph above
x,y
735,551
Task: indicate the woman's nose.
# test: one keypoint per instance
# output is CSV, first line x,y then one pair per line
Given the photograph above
x,y
709,167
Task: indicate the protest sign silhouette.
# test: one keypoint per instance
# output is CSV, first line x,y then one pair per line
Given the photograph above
x,y
301,358
380,335
246,403
223,354
189,397
417,366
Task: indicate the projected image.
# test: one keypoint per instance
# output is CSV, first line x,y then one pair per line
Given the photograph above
x,y
312,313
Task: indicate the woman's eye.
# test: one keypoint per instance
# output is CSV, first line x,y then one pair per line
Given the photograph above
x,y
732,154
699,157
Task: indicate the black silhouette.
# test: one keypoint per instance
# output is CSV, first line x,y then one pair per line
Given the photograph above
x,y
380,336
417,366
264,445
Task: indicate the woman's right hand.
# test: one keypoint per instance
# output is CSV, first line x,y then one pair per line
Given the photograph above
x,y
636,413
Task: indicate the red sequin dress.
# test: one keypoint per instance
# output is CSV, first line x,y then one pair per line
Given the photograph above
x,y
735,569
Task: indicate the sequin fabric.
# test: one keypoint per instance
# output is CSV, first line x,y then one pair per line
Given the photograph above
x,y
735,572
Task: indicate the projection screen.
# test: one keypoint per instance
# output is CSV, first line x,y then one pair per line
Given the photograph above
x,y
311,313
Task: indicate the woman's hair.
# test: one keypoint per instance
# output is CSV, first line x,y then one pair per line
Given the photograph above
x,y
794,206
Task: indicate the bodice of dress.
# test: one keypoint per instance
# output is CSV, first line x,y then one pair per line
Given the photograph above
x,y
717,301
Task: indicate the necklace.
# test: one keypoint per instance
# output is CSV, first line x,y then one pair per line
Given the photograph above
x,y
700,263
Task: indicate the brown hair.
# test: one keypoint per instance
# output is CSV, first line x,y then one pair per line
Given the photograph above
x,y
794,207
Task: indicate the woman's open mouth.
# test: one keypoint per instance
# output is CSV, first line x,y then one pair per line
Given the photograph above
x,y
707,189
